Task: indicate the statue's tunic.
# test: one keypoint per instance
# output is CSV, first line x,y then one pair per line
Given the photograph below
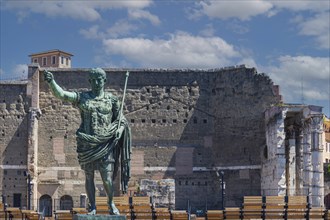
x,y
96,145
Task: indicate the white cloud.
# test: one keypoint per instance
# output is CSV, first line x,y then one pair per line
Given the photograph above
x,y
316,95
120,28
181,50
307,5
302,75
245,10
83,10
311,67
208,31
142,14
248,62
238,27
20,71
241,9
319,27
315,23
92,33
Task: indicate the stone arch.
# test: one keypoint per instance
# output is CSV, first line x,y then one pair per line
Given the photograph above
x,y
66,202
327,201
45,205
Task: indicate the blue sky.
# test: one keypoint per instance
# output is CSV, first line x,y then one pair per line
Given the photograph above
x,y
287,40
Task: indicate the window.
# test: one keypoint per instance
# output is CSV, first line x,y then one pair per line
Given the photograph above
x,y
62,60
44,61
67,61
53,59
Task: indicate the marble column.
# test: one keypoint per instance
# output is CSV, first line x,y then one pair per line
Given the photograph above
x,y
317,193
307,157
299,160
34,113
280,153
291,162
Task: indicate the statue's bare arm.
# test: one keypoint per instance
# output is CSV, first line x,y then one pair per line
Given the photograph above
x,y
57,90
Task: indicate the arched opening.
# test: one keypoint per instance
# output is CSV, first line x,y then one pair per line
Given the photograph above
x,y
45,205
66,202
327,201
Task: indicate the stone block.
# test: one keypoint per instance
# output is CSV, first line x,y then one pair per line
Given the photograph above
x,y
99,217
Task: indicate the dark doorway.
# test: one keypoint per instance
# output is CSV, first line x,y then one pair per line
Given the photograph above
x,y
17,200
66,202
45,205
327,201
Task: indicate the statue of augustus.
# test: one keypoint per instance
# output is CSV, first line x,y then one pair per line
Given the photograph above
x,y
103,138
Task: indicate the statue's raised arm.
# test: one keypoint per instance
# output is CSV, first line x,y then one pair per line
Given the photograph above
x,y
57,90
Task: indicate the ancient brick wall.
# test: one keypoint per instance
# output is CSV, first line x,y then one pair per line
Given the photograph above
x,y
185,125
13,142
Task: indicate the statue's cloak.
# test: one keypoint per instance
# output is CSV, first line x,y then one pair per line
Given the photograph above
x,y
101,146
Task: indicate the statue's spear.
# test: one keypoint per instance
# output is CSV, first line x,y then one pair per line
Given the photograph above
x,y
123,180
122,101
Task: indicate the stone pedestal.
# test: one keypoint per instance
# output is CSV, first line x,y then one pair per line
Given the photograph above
x,y
99,217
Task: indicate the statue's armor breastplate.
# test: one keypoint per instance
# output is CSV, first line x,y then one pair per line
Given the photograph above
x,y
96,114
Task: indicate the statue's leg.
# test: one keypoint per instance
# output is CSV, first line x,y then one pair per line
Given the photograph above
x,y
108,186
90,190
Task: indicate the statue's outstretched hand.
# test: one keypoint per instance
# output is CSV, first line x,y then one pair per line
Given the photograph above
x,y
48,76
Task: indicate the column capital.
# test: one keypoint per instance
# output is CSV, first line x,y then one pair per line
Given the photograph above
x,y
317,122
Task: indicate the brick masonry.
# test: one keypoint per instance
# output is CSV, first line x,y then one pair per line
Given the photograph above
x,y
13,139
185,124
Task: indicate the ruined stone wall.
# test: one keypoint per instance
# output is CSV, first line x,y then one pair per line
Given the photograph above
x,y
292,163
13,142
273,154
185,125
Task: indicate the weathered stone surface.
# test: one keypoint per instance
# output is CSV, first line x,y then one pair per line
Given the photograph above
x,y
162,191
292,162
218,114
13,139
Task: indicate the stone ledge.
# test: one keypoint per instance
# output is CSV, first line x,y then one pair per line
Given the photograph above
x,y
99,217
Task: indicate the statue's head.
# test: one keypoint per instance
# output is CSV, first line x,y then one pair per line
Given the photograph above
x,y
97,79
97,73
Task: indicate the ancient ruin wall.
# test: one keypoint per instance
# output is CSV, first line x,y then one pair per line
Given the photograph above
x,y
185,125
13,141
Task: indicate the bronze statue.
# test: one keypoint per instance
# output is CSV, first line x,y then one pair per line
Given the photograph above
x,y
103,138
